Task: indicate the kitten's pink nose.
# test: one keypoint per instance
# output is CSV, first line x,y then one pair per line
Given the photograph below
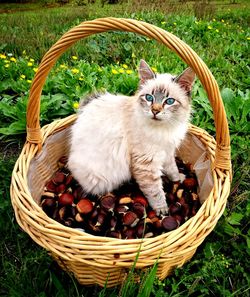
x,y
156,108
155,112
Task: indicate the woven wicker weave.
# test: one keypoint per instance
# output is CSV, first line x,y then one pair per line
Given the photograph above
x,y
91,258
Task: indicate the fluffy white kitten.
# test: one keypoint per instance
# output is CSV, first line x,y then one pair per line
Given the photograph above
x,y
116,137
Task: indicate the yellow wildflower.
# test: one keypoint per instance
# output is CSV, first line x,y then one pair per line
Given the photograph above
x,y
35,69
175,24
32,60
154,69
76,105
81,78
121,70
99,69
129,71
163,23
214,20
222,21
6,61
13,59
209,27
22,76
133,55
74,57
6,65
217,30
30,64
29,81
196,22
2,56
75,71
125,66
248,38
63,66
114,71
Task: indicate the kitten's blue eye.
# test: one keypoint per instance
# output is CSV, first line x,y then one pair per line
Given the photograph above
x,y
170,101
149,97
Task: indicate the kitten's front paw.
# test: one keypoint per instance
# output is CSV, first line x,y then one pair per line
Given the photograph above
x,y
161,210
159,203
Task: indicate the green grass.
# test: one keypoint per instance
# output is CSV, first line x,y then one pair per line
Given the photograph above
x,y
221,38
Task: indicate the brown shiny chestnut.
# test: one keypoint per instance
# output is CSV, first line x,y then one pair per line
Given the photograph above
x,y
58,178
141,199
65,199
84,206
108,202
169,223
130,219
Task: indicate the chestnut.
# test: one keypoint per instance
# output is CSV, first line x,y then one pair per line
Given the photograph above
x,y
171,198
58,178
185,211
108,202
174,208
69,180
157,223
121,209
94,214
129,233
139,209
115,234
62,161
100,219
60,189
130,219
66,199
84,206
151,214
190,183
141,199
79,193
50,187
140,229
178,218
48,206
169,223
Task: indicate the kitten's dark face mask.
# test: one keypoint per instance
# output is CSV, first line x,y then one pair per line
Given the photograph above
x,y
161,102
158,105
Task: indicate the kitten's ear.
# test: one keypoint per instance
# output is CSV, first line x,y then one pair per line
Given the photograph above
x,y
186,79
145,72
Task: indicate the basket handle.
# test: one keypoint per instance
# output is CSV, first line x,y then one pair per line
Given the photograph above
x,y
85,29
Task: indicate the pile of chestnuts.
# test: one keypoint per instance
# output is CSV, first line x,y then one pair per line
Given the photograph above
x,y
125,212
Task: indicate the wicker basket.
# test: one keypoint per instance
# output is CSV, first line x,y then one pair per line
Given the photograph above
x,y
93,259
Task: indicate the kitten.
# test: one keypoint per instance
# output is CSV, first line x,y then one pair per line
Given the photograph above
x,y
116,137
